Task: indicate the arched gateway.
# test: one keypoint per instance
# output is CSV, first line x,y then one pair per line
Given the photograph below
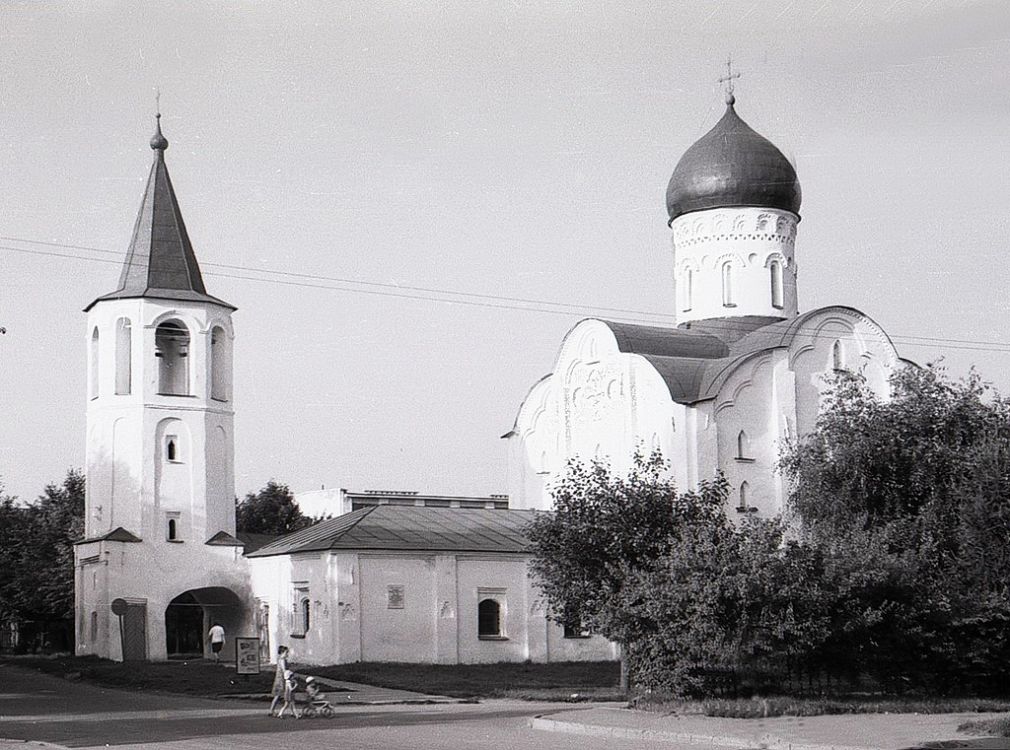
x,y
189,616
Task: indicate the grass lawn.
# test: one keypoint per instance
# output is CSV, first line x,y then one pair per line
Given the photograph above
x,y
198,677
566,681
758,707
569,681
997,727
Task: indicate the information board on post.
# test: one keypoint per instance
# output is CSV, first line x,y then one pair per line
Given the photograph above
x,y
247,655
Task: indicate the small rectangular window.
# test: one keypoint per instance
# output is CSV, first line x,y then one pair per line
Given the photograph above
x,y
394,597
576,630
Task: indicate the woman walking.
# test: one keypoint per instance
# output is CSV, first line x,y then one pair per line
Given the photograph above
x,y
280,681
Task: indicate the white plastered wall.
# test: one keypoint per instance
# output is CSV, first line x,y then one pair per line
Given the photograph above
x,y
776,396
353,621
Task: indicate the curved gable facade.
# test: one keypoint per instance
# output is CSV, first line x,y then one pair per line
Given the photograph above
x,y
707,404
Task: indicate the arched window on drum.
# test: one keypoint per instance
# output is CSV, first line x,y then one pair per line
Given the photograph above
x,y
775,271
727,284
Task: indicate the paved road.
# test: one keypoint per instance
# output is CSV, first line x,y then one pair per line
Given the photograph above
x,y
49,709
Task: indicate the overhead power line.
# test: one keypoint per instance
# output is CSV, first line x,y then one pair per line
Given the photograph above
x,y
335,279
474,299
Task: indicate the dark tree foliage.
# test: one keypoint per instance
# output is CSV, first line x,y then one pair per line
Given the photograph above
x,y
37,553
872,461
917,485
641,564
890,572
272,510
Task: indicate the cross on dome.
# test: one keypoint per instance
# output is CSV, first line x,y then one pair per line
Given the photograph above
x,y
728,80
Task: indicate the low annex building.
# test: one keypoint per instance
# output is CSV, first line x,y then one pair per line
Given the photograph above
x,y
413,584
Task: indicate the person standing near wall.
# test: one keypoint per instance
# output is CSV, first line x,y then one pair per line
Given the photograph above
x,y
216,638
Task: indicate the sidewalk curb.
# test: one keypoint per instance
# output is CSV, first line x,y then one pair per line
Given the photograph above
x,y
545,724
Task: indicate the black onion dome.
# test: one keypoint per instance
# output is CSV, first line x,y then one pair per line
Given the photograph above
x,y
732,165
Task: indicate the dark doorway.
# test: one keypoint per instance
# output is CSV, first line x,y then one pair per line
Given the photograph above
x,y
134,625
189,616
184,627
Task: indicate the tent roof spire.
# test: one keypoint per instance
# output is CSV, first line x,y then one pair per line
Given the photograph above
x,y
160,263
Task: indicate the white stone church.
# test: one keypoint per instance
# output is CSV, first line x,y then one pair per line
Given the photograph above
x,y
441,580
742,370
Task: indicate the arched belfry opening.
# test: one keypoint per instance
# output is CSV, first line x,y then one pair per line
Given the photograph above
x,y
189,616
171,347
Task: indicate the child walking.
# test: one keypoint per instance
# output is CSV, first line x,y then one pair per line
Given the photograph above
x,y
290,684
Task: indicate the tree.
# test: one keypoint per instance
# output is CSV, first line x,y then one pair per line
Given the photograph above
x,y
58,518
272,510
607,532
13,536
921,481
872,461
37,557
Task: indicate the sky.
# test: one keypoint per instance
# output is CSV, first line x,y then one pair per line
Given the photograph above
x,y
337,161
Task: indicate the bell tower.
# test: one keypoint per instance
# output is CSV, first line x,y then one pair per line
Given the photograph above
x,y
160,416
160,507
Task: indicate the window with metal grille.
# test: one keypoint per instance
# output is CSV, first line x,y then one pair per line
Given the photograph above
x,y
489,619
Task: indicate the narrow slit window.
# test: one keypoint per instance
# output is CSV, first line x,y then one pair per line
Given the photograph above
x,y
744,492
775,270
686,289
742,445
837,357
172,449
727,284
172,528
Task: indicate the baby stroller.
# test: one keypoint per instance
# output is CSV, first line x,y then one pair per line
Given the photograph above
x,y
318,705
